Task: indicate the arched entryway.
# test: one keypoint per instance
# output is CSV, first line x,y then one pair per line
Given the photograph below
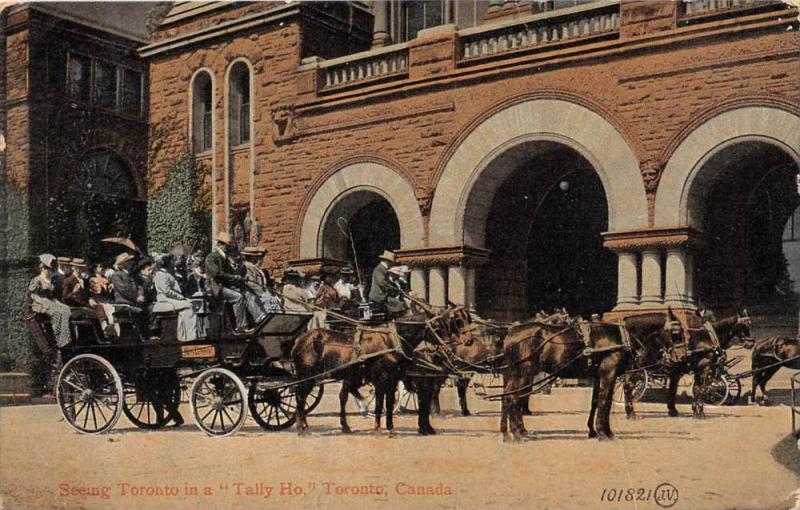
x,y
358,228
102,200
543,230
734,182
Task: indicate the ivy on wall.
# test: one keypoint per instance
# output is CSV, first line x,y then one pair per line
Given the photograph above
x,y
179,212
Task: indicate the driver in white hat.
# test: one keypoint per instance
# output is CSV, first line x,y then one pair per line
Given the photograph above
x,y
382,293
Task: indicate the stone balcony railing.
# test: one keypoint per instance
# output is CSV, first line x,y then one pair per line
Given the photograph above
x,y
593,20
369,66
703,8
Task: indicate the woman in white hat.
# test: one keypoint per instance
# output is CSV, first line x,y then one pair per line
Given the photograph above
x,y
43,299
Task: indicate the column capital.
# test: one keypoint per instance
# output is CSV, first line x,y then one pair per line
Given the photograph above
x,y
651,238
444,256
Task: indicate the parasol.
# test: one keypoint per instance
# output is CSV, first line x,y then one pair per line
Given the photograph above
x,y
124,241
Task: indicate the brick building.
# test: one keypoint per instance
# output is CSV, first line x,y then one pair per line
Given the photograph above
x,y
74,141
601,155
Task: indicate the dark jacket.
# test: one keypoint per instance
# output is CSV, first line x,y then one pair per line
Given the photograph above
x,y
379,288
194,284
221,273
126,289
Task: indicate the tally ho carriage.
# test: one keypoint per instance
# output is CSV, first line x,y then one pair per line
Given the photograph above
x,y
103,377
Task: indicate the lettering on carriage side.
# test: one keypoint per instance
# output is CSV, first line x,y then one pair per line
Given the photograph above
x,y
407,489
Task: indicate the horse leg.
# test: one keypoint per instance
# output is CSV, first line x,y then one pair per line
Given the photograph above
x,y
702,379
672,393
391,388
347,388
525,405
627,388
766,375
436,389
462,385
379,394
593,410
425,392
504,407
300,395
607,375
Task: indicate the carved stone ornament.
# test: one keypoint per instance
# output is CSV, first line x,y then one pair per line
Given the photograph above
x,y
283,123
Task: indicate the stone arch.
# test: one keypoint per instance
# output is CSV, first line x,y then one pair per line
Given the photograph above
x,y
357,177
679,182
548,120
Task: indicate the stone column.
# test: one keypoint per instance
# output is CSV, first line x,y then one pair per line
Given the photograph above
x,y
457,285
471,275
380,32
680,278
418,283
651,278
626,281
437,286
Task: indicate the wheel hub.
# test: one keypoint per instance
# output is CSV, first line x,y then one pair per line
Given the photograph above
x,y
217,404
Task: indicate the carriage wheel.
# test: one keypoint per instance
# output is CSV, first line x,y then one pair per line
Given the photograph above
x,y
147,411
717,392
219,402
273,409
734,391
315,397
640,380
89,394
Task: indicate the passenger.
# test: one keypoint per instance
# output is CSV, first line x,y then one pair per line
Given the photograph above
x,y
63,268
258,280
196,281
295,296
170,298
227,285
349,293
382,294
128,292
327,298
73,287
101,297
312,286
43,299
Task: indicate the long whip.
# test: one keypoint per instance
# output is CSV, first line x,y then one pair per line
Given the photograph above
x,y
345,229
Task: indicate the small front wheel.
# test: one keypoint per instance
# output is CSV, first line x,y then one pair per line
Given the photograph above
x,y
716,393
89,394
219,402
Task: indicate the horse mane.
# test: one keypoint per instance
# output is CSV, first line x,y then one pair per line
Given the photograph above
x,y
726,322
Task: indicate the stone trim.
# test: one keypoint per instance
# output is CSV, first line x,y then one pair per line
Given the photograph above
x,y
466,256
636,240
313,266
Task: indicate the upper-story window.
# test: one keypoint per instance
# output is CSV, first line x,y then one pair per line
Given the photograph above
x,y
239,105
202,112
104,84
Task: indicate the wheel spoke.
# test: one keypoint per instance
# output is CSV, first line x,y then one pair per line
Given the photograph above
x,y
203,419
233,422
100,410
94,414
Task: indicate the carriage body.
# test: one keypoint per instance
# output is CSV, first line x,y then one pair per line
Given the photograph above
x,y
221,375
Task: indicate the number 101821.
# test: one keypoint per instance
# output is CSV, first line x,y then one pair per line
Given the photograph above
x,y
630,494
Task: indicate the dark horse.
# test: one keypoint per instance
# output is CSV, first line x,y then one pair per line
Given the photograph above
x,y
563,351
769,355
386,354
697,347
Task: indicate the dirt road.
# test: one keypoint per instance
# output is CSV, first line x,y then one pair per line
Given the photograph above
x,y
740,457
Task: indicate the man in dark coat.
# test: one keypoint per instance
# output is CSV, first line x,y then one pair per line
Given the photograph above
x,y
128,292
382,292
226,284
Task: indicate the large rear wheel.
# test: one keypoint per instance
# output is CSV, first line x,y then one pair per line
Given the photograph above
x,y
89,394
219,402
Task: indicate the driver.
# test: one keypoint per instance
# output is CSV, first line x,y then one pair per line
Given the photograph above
x,y
226,284
382,293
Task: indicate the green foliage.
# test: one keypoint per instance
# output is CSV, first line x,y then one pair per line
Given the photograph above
x,y
176,213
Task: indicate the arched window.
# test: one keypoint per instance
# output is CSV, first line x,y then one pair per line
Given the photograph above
x,y
239,104
103,172
202,112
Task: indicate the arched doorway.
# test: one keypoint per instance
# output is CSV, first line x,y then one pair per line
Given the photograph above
x,y
358,228
102,200
743,199
543,229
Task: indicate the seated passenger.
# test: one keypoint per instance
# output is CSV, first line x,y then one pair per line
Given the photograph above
x,y
327,298
170,298
382,293
257,279
226,285
43,300
100,297
128,292
74,291
295,296
196,281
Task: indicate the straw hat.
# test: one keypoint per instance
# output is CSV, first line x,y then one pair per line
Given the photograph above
x,y
224,238
399,270
254,251
64,261
78,263
388,255
122,258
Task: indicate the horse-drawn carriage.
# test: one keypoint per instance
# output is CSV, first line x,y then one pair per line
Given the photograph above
x,y
103,377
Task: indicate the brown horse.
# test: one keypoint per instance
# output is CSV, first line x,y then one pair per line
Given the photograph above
x,y
769,355
562,351
386,354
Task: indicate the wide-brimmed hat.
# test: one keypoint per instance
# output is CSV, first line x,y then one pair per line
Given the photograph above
x,y
78,262
388,255
224,238
399,270
254,251
64,261
122,258
47,260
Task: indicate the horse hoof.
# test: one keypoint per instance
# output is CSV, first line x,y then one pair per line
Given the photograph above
x,y
392,433
605,437
466,412
347,430
592,434
527,412
673,413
